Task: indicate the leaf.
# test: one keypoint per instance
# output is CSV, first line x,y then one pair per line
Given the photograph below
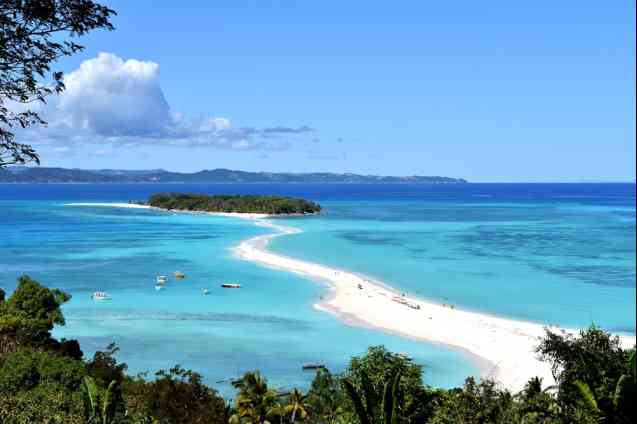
x,y
587,396
371,400
356,400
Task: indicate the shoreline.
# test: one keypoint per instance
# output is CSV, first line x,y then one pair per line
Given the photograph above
x,y
244,215
503,347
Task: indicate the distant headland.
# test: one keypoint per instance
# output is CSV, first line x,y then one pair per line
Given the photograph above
x,y
233,204
22,174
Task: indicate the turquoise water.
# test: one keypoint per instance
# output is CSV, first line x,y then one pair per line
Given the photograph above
x,y
554,264
549,253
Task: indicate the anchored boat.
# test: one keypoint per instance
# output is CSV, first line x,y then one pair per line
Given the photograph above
x,y
313,366
231,285
100,295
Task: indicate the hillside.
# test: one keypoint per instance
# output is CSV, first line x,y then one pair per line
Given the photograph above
x,y
64,175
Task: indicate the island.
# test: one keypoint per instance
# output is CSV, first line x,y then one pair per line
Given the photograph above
x,y
228,203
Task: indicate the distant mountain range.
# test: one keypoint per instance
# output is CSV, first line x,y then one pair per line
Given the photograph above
x,y
22,174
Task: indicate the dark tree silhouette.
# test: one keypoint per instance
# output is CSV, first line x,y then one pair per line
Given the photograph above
x,y
32,37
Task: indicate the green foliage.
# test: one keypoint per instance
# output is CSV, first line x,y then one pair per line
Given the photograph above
x,y
379,365
45,404
31,38
233,203
297,406
26,370
103,367
40,387
255,403
28,316
176,396
475,403
537,405
594,375
325,398
100,407
367,406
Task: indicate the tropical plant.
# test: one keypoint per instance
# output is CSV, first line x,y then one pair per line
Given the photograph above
x,y
536,404
325,398
176,396
297,406
100,408
255,403
595,375
367,406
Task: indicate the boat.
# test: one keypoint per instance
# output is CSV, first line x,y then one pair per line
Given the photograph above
x,y
179,275
205,291
231,285
159,287
313,366
100,295
161,279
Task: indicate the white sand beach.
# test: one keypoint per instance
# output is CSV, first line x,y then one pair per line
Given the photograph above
x,y
138,206
507,345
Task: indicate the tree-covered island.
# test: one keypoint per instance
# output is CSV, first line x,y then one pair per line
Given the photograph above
x,y
272,205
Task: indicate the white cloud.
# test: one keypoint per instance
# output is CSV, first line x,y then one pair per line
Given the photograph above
x,y
113,101
113,97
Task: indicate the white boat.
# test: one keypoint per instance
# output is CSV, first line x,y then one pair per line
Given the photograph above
x,y
100,295
205,291
159,287
162,279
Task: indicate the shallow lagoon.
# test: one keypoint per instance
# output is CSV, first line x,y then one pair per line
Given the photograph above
x,y
557,254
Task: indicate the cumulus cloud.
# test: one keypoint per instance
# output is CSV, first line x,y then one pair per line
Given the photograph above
x,y
111,100
113,97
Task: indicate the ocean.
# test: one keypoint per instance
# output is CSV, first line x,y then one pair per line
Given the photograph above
x,y
549,253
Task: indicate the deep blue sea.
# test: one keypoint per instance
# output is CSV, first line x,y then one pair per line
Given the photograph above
x,y
551,253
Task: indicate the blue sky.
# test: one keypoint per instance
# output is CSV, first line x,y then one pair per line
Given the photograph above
x,y
488,91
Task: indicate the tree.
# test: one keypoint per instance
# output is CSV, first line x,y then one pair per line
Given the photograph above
x,y
476,403
177,396
255,403
28,316
373,407
23,371
536,404
325,398
297,406
593,372
32,37
380,365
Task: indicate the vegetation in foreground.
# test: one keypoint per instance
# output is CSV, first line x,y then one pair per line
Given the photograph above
x,y
44,380
274,205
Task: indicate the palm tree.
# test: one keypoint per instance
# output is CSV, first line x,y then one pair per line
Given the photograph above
x,y
255,403
622,397
368,413
297,406
99,409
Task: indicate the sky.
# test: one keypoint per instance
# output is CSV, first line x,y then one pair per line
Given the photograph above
x,y
491,91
